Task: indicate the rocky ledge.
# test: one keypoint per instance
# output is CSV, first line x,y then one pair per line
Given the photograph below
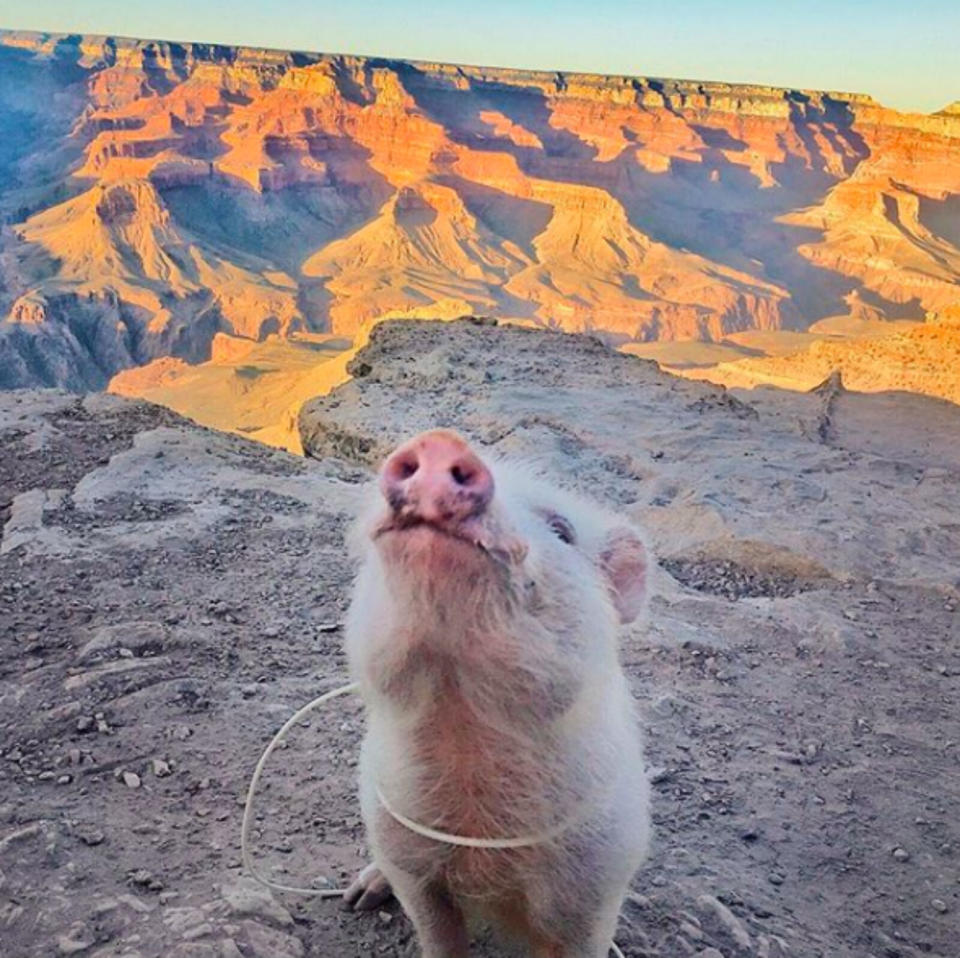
x,y
168,595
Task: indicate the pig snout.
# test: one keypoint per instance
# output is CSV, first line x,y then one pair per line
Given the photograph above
x,y
436,478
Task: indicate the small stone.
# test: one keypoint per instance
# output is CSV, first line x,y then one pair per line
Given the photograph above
x,y
229,949
131,779
181,921
939,905
249,691
246,897
104,906
84,724
775,879
385,917
89,835
64,779
45,776
135,904
267,941
901,854
78,939
733,925
159,767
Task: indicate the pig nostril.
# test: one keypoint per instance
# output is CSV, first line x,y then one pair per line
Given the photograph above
x,y
404,468
461,476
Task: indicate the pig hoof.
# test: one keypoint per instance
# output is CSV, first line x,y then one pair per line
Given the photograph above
x,y
369,890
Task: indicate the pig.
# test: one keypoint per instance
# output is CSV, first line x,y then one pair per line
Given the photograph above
x,y
482,633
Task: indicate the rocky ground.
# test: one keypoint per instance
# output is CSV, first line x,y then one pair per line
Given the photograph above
x,y
168,596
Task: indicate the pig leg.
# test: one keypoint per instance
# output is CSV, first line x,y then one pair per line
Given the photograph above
x,y
586,942
439,922
575,933
369,890
591,941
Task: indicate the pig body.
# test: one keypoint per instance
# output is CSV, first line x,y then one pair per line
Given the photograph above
x,y
483,634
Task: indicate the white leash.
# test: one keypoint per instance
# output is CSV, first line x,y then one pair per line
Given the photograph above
x,y
450,839
297,716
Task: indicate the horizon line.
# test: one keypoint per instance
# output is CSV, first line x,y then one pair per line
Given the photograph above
x,y
837,93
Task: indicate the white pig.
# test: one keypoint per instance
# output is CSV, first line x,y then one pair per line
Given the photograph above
x,y
483,635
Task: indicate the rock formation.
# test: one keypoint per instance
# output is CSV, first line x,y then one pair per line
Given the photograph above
x,y
922,358
156,194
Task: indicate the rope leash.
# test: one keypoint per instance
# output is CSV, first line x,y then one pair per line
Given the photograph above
x,y
297,716
446,837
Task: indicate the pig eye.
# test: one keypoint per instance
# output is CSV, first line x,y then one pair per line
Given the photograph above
x,y
560,528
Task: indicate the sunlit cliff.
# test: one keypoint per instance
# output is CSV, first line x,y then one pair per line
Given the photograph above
x,y
156,195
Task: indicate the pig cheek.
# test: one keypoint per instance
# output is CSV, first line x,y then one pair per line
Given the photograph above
x,y
533,598
556,592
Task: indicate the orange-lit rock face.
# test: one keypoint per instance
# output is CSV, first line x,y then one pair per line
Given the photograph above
x,y
178,191
923,358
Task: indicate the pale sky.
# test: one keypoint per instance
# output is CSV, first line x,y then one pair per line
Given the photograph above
x,y
906,54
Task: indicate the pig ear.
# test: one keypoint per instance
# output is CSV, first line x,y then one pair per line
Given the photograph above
x,y
625,563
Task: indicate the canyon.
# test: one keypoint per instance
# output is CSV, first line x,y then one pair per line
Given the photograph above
x,y
175,206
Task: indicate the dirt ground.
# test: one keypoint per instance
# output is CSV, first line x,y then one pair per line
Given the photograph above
x,y
169,595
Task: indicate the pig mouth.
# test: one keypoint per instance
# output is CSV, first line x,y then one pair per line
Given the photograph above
x,y
469,532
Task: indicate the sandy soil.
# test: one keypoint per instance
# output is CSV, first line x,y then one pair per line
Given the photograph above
x,y
166,609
